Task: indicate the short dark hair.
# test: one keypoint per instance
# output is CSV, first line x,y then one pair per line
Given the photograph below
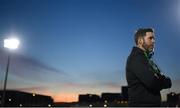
x,y
141,32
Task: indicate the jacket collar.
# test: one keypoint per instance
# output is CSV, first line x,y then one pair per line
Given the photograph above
x,y
139,50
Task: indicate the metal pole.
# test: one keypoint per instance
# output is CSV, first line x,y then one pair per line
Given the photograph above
x,y
5,81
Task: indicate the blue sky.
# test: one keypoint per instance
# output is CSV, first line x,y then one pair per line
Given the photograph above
x,y
80,46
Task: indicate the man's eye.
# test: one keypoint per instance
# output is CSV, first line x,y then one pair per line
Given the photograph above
x,y
151,38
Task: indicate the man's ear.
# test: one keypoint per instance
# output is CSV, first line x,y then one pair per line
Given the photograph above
x,y
140,41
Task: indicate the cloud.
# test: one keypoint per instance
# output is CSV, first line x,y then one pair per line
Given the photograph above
x,y
37,88
90,87
97,82
27,67
104,76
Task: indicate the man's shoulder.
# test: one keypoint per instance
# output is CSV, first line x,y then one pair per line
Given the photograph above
x,y
135,57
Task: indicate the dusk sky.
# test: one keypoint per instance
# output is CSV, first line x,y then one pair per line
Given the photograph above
x,y
71,47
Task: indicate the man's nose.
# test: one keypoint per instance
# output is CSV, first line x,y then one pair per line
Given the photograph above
x,y
153,40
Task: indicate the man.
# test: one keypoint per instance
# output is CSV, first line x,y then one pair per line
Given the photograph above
x,y
145,81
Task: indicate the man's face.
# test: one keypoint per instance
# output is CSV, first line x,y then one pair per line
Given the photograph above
x,y
149,41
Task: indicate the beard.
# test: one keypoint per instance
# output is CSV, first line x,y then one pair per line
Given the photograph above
x,y
148,48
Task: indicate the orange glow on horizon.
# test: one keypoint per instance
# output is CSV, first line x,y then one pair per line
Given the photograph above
x,y
57,97
65,97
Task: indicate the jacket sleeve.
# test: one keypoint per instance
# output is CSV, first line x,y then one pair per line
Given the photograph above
x,y
165,81
140,67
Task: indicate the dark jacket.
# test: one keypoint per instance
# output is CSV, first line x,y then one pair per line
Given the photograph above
x,y
144,83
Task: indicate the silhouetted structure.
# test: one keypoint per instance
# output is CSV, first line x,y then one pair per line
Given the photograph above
x,y
19,98
124,90
105,100
110,97
89,98
173,99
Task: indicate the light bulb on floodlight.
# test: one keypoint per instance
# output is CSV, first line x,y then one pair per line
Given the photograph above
x,y
11,43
